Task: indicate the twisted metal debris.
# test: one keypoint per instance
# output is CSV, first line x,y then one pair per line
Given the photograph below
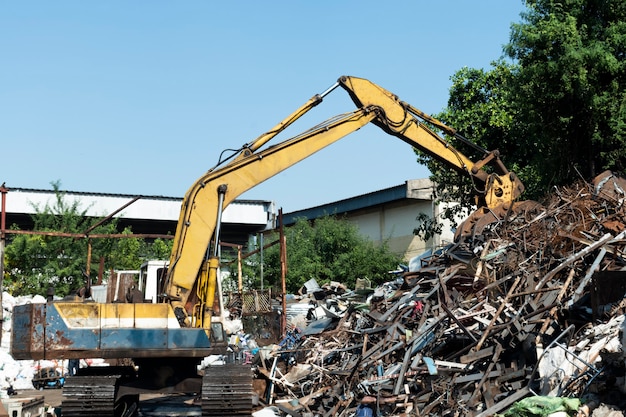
x,y
533,305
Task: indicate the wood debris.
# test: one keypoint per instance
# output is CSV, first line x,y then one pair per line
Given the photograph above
x,y
533,305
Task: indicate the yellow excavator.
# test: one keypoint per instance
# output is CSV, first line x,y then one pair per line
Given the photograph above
x,y
167,340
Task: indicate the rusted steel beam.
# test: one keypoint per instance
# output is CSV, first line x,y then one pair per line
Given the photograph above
x,y
495,317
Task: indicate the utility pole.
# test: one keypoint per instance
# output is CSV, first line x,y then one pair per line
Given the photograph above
x,y
4,190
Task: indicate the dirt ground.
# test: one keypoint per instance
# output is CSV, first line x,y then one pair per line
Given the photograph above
x,y
52,396
150,404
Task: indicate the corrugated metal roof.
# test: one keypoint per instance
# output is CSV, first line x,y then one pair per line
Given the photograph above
x,y
29,201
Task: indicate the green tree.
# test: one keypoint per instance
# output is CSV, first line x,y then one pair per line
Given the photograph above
x,y
570,84
557,109
126,254
36,262
329,249
481,109
131,252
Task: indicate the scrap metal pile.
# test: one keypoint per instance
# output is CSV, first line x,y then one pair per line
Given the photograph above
x,y
519,309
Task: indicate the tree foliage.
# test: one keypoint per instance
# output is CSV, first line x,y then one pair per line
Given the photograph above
x,y
131,252
571,82
556,109
329,249
481,109
33,263
36,262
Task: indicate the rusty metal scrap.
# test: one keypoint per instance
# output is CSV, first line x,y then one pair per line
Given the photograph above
x,y
473,329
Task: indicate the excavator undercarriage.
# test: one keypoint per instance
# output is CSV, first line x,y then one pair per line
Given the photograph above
x,y
108,391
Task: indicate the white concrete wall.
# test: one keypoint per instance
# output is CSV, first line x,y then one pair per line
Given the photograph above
x,y
395,225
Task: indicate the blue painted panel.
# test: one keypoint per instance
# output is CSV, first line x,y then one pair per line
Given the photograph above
x,y
36,324
134,338
188,338
59,337
27,335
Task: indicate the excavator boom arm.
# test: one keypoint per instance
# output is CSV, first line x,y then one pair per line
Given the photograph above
x,y
199,212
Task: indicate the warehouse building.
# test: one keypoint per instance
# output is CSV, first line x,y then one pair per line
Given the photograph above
x,y
385,215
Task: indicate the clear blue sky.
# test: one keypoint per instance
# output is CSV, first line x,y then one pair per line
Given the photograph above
x,y
140,97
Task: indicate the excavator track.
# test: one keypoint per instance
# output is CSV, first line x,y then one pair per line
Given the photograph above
x,y
95,396
227,391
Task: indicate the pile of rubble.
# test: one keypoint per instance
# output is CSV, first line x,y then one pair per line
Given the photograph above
x,y
532,306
